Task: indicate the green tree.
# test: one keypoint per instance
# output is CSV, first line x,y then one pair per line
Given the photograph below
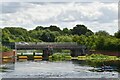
x,y
117,34
54,28
80,29
39,28
89,33
48,36
65,38
102,33
66,31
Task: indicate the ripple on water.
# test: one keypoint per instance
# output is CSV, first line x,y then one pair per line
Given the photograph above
x,y
45,69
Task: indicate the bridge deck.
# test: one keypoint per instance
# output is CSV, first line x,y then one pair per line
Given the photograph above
x,y
48,45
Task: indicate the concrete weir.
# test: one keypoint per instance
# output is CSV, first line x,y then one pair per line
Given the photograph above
x,y
48,48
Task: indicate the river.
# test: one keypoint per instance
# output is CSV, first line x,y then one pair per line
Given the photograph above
x,y
59,69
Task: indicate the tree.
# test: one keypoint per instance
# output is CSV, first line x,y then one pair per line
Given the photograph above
x,y
54,28
14,34
6,36
82,40
101,40
47,36
102,33
100,43
89,33
80,29
65,38
66,31
117,34
39,28
3,48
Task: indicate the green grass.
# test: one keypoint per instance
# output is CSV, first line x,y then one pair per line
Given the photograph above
x,y
101,57
59,57
92,57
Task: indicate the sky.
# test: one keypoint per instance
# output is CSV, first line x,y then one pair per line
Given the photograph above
x,y
95,15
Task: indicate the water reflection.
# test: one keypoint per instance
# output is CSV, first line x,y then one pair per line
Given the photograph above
x,y
7,65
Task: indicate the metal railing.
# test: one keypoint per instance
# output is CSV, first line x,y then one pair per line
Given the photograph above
x,y
46,43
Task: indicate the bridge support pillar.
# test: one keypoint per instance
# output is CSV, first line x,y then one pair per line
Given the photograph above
x,y
46,54
14,56
76,52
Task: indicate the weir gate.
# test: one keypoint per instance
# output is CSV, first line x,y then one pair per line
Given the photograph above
x,y
48,48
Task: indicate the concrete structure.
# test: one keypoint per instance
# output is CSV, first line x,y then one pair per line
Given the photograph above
x,y
48,48
8,57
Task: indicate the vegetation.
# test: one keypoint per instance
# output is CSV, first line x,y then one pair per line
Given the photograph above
x,y
101,57
117,34
60,57
4,49
92,57
100,40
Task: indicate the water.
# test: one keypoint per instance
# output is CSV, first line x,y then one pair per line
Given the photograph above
x,y
61,69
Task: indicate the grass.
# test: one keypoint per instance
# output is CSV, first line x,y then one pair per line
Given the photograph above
x,y
101,57
92,57
59,57
66,56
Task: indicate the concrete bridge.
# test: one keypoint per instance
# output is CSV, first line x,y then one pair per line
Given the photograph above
x,y
48,48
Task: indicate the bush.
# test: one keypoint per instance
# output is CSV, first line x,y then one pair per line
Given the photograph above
x,y
4,49
101,57
60,57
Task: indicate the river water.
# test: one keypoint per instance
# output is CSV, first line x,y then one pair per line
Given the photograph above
x,y
60,69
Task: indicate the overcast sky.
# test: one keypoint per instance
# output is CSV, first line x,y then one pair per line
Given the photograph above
x,y
95,15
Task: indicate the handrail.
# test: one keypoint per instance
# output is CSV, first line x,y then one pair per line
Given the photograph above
x,y
46,43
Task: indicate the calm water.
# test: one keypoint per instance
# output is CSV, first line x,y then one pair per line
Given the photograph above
x,y
63,69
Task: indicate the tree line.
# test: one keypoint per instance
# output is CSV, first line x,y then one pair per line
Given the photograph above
x,y
100,40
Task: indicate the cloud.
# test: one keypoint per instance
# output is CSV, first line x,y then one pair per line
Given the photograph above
x,y
96,15
9,7
58,0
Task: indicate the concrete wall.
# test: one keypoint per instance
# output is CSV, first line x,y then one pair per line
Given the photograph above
x,y
7,53
7,57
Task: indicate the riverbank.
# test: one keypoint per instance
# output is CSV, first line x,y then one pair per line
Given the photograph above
x,y
67,56
60,57
100,57
97,57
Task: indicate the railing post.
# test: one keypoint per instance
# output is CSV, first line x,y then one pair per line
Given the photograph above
x,y
14,56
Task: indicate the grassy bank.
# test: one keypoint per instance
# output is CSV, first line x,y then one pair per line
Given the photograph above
x,y
60,57
101,57
92,57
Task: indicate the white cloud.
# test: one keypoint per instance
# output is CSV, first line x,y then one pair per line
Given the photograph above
x,y
58,0
95,15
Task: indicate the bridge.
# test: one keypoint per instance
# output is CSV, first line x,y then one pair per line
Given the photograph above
x,y
48,48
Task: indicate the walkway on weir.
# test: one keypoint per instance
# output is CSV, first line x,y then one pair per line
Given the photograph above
x,y
44,45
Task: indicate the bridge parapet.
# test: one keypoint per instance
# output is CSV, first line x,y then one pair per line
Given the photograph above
x,y
43,45
46,43
48,48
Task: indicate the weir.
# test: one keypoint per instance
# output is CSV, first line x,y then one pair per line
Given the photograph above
x,y
49,48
